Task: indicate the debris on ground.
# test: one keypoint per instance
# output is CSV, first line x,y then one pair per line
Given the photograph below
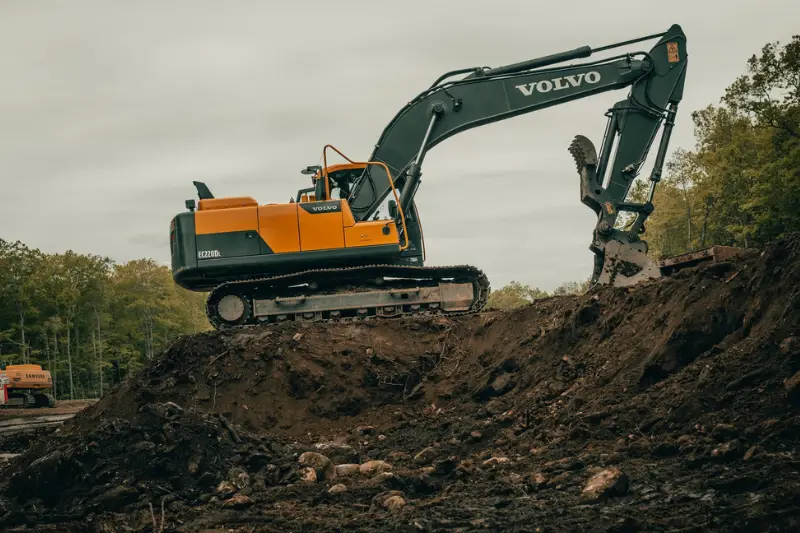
x,y
671,406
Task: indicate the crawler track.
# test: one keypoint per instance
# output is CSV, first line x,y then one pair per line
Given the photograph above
x,y
351,285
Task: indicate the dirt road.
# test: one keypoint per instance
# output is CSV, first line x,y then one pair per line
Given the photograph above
x,y
63,407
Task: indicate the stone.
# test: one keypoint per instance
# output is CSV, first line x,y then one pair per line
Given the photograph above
x,y
226,488
337,453
347,470
308,475
373,468
604,484
394,502
426,456
723,432
493,461
320,463
336,489
239,501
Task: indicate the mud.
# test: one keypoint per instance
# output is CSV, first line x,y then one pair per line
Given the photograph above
x,y
673,406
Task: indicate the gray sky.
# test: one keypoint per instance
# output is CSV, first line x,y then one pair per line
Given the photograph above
x,y
109,110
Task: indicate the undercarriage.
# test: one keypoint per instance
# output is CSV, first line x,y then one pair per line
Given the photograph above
x,y
349,294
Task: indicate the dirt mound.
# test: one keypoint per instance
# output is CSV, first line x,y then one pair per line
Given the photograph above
x,y
672,406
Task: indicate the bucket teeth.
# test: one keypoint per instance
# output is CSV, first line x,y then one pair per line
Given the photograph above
x,y
583,152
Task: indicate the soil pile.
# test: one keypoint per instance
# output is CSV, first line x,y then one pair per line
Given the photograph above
x,y
671,406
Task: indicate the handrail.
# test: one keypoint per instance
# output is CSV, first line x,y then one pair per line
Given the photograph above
x,y
388,174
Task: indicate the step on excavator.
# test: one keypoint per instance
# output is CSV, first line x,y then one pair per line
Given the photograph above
x,y
351,246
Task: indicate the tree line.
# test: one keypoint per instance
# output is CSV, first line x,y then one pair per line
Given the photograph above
x,y
739,186
87,319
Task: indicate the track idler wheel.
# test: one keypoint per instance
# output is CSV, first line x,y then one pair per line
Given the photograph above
x,y
229,309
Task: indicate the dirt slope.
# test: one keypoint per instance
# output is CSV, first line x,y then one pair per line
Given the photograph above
x,y
673,406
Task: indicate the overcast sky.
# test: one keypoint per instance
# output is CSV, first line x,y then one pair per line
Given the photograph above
x,y
109,110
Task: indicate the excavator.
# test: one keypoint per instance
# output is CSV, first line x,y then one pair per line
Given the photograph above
x,y
351,246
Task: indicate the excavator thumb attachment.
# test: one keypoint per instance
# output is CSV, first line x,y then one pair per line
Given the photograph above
x,y
621,258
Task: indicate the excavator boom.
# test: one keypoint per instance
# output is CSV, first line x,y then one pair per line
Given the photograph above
x,y
656,80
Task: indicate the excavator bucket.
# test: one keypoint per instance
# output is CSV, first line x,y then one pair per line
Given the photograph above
x,y
625,264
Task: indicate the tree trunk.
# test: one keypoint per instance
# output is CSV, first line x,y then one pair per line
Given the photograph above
x,y
22,332
78,355
69,365
54,370
99,351
94,352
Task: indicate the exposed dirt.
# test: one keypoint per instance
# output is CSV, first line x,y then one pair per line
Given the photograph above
x,y
674,406
63,407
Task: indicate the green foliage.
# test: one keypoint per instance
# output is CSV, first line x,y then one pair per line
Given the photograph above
x,y
516,294
740,186
513,295
86,319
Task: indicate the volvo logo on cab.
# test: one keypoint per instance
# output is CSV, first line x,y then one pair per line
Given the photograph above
x,y
558,84
321,208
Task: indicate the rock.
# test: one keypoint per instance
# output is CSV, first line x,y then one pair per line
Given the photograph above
x,y
723,432
383,477
117,497
239,478
336,489
347,470
493,461
391,500
365,430
426,456
320,463
475,436
604,484
308,475
239,501
790,345
337,453
394,502
538,480
443,467
750,453
381,437
373,468
226,489
727,451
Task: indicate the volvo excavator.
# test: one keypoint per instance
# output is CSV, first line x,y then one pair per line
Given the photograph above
x,y
351,245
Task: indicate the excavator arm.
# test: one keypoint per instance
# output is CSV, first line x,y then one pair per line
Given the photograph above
x,y
486,95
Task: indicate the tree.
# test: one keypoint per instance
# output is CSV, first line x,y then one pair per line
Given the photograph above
x,y
514,295
77,314
740,185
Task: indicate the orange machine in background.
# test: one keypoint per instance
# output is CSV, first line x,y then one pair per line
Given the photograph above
x,y
28,386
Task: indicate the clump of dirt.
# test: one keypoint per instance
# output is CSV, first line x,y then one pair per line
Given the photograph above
x,y
20,441
671,406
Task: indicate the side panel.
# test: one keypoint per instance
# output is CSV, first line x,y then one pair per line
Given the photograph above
x,y
371,233
278,227
321,225
227,233
182,242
